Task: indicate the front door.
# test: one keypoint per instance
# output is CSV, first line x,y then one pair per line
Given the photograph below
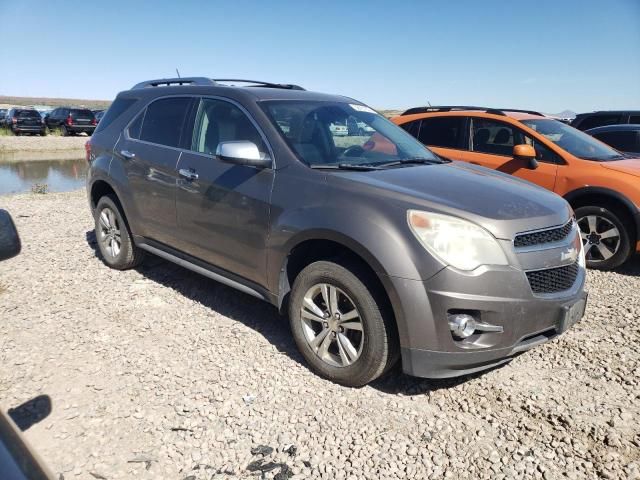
x,y
491,145
223,209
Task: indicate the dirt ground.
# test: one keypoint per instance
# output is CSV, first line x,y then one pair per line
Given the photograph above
x,y
161,373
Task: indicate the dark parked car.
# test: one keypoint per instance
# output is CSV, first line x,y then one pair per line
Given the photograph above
x,y
99,115
624,138
587,121
25,120
377,248
3,116
72,121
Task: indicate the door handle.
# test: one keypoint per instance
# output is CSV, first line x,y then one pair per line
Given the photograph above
x,y
188,173
127,154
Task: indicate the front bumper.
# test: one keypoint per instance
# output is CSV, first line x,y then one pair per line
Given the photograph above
x,y
499,296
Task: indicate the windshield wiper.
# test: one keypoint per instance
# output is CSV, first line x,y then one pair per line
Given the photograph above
x,y
411,161
343,166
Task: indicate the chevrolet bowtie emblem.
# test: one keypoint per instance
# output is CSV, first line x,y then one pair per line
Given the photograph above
x,y
569,254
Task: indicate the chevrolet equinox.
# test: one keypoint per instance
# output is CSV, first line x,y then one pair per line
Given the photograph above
x,y
377,248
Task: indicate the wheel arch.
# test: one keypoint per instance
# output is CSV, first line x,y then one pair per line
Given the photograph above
x,y
322,245
601,196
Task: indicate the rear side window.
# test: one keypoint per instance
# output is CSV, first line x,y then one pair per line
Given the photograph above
x,y
117,108
164,121
412,127
599,121
634,119
626,141
444,132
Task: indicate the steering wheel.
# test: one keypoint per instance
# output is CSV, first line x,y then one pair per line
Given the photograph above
x,y
353,151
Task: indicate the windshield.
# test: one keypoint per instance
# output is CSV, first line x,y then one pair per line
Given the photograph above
x,y
573,141
327,133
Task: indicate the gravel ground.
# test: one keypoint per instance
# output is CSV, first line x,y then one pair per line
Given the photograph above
x,y
161,373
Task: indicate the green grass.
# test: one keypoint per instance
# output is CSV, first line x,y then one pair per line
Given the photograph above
x,y
53,102
5,132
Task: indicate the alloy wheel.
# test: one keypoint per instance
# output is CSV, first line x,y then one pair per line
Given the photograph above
x,y
109,234
600,237
332,325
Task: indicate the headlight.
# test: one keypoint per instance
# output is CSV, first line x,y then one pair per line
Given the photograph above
x,y
456,242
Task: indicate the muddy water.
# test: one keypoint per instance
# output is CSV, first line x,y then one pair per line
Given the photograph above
x,y
57,175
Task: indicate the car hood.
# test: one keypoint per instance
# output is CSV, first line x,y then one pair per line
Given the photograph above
x,y
630,166
501,203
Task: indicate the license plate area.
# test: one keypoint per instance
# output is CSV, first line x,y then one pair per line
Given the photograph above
x,y
572,314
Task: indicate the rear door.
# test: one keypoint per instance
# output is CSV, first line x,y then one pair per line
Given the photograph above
x,y
491,145
223,209
149,151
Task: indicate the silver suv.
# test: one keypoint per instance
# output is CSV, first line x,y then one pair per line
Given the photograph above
x,y
376,248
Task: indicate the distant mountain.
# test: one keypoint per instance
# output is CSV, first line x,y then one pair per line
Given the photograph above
x,y
564,114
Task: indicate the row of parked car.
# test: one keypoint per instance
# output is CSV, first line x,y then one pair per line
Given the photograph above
x,y
68,120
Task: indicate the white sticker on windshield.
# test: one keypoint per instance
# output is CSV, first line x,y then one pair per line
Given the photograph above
x,y
362,108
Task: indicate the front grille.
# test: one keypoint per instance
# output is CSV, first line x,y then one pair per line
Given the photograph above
x,y
544,236
553,280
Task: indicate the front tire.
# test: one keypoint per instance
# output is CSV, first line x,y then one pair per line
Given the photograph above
x,y
605,236
114,238
340,328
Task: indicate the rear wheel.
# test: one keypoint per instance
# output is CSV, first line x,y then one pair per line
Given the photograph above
x,y
339,327
64,131
113,236
606,239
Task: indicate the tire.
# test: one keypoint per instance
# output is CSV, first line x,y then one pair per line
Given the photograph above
x,y
373,349
109,219
43,133
604,253
64,131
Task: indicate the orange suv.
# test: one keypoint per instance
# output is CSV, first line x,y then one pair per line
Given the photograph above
x,y
600,183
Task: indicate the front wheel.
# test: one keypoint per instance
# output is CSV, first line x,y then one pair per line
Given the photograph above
x,y
339,326
114,238
606,239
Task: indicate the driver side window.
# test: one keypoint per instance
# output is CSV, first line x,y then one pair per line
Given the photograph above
x,y
219,121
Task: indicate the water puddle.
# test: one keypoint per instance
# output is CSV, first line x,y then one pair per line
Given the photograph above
x,y
57,175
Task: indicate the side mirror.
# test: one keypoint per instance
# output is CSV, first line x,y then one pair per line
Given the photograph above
x,y
242,152
526,153
9,239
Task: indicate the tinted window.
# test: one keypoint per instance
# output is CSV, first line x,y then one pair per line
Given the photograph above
x,y
599,121
634,119
218,121
116,109
27,114
624,141
412,127
489,136
81,113
442,131
164,121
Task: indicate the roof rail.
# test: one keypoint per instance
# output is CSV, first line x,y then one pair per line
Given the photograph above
x,y
258,83
174,81
449,108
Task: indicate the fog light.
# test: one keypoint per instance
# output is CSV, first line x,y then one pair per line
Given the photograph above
x,y
462,325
